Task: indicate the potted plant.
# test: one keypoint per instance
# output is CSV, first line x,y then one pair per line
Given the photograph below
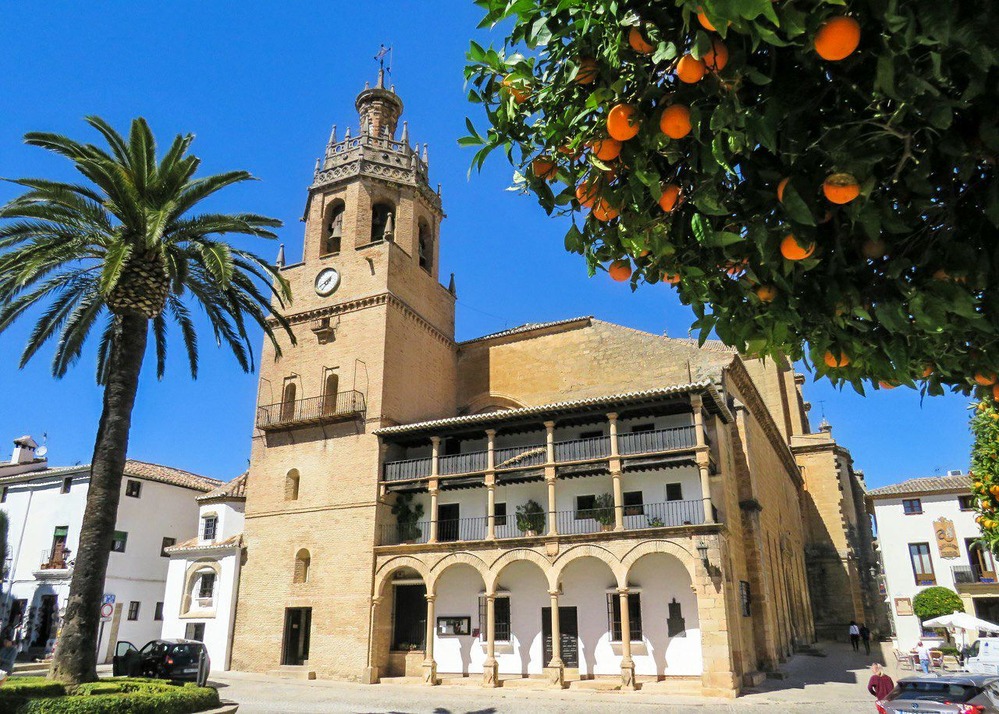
x,y
603,511
530,518
407,516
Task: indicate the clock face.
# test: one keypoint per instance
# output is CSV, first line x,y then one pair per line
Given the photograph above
x,y
327,281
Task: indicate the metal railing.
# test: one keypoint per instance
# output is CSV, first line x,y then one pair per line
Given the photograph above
x,y
972,575
343,405
533,455
645,442
54,560
670,514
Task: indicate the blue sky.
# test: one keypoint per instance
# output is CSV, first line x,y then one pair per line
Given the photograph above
x,y
260,86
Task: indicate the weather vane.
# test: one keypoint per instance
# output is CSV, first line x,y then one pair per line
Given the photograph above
x,y
384,52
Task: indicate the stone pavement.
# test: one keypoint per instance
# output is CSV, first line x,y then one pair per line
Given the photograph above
x,y
830,684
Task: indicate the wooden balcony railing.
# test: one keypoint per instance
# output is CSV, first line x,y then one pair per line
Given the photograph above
x,y
670,514
311,410
534,455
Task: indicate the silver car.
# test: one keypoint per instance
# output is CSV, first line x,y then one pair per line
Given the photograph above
x,y
944,694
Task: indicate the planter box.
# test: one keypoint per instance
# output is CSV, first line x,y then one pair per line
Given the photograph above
x,y
405,663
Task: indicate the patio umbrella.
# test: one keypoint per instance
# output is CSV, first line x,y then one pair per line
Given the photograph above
x,y
964,622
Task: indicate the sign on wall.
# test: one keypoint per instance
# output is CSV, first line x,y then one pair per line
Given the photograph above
x,y
946,538
903,606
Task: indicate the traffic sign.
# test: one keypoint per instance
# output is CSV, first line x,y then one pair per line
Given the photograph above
x,y
106,610
108,599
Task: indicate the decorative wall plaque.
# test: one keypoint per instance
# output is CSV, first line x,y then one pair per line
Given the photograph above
x,y
946,538
903,606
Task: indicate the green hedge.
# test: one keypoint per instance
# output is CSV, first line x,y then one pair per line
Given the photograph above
x,y
108,696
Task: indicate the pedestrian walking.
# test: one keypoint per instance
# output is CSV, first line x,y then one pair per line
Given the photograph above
x,y
865,637
923,653
880,684
8,653
854,636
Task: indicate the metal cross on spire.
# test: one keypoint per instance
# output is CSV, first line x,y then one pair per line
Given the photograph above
x,y
384,52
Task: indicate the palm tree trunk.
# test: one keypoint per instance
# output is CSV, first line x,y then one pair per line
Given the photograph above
x,y
75,658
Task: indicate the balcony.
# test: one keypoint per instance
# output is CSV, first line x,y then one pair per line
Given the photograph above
x,y
54,565
311,411
529,456
973,577
671,514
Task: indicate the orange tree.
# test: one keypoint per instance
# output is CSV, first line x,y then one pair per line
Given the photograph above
x,y
814,178
985,470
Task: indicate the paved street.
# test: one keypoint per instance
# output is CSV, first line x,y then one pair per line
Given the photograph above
x,y
834,684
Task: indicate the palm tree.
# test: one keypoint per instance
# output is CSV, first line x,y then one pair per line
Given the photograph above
x,y
117,253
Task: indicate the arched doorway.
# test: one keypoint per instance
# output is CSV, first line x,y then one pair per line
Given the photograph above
x,y
288,402
588,595
399,625
671,635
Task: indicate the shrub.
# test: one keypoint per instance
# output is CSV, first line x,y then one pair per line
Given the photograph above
x,y
530,517
113,696
31,687
936,601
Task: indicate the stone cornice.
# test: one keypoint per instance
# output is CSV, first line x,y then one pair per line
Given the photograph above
x,y
754,402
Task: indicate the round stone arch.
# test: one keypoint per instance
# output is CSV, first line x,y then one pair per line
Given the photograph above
x,y
384,572
666,547
490,402
198,566
450,560
497,566
589,550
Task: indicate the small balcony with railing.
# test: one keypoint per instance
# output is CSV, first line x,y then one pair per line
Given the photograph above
x,y
54,564
311,411
975,578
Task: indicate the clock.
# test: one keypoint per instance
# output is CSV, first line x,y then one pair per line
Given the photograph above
x,y
327,281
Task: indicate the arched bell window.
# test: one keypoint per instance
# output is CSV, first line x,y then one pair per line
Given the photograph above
x,y
330,386
382,222
302,564
291,484
426,246
333,229
288,402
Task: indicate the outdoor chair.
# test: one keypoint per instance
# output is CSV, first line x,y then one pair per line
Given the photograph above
x,y
904,661
936,659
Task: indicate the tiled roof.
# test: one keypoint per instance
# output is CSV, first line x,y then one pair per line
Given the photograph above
x,y
235,489
235,541
508,414
927,484
528,327
133,468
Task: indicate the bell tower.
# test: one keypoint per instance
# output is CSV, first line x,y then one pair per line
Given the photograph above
x,y
375,347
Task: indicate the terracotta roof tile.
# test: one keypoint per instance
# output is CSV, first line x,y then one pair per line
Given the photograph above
x,y
195,544
133,468
927,484
235,489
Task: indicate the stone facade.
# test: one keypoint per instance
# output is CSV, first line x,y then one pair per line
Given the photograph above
x,y
377,407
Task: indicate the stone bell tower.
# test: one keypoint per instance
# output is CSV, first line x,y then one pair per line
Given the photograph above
x,y
375,333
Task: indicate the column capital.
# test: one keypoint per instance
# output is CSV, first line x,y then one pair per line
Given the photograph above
x,y
435,440
696,401
612,416
549,425
554,593
430,597
434,490
489,596
376,601
490,433
624,591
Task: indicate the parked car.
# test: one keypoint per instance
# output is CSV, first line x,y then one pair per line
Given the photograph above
x,y
185,660
944,694
982,656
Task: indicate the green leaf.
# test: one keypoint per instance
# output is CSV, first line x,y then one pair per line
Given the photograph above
x,y
795,207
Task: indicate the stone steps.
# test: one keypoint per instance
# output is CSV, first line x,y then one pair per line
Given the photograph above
x,y
524,683
596,685
288,671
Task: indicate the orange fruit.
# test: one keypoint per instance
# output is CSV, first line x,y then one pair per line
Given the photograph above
x,y
638,42
519,93
703,19
670,198
927,371
780,188
671,278
841,188
622,124
837,38
587,193
792,250
690,70
887,385
873,249
716,58
835,361
606,149
569,151
588,70
544,167
675,121
995,392
985,379
766,293
620,270
603,211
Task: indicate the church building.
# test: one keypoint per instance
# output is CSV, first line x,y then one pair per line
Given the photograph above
x,y
558,502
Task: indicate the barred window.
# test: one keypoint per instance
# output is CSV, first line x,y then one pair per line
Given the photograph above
x,y
501,615
634,616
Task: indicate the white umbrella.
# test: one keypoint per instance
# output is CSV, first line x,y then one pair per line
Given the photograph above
x,y
961,621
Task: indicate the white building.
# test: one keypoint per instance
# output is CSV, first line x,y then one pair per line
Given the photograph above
x,y
45,506
927,536
202,582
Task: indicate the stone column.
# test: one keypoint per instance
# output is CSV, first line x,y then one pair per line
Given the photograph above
x,y
696,404
429,665
615,470
490,482
627,663
555,670
434,489
490,668
371,671
550,476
